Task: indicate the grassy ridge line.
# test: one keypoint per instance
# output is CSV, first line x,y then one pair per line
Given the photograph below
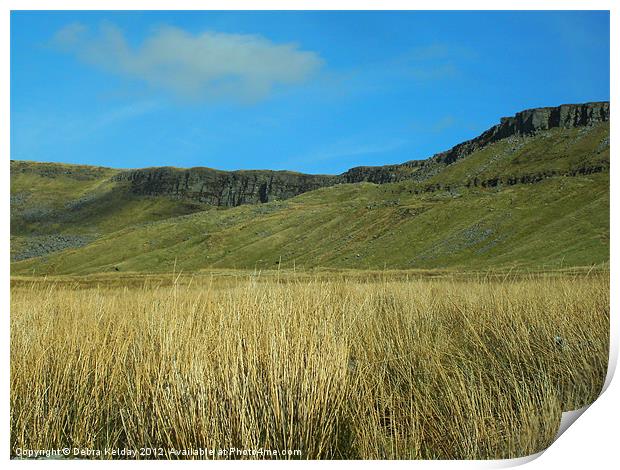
x,y
402,225
80,200
54,206
556,151
428,369
560,221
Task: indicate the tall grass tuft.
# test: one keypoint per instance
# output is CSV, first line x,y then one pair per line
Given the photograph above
x,y
339,369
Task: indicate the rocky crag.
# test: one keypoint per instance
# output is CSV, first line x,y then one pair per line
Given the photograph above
x,y
524,123
223,188
99,218
234,188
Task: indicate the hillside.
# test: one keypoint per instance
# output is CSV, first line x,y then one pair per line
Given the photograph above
x,y
531,192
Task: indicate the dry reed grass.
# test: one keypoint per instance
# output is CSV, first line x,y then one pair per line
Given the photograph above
x,y
429,368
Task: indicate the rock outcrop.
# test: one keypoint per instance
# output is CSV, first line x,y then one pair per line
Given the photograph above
x,y
529,122
383,174
222,188
234,188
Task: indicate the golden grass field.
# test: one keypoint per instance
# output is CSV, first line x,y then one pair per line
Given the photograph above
x,y
352,368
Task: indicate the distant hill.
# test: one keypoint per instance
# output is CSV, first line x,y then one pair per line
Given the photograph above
x,y
532,191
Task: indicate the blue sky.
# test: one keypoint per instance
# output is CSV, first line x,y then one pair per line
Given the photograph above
x,y
316,92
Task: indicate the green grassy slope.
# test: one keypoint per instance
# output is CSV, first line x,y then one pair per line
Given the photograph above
x,y
554,152
561,218
55,202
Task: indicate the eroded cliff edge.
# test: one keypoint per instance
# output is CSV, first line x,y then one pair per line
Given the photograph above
x,y
222,188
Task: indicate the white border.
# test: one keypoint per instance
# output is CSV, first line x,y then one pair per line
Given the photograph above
x,y
589,443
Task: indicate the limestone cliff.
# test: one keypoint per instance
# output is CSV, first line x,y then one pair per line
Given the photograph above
x,y
223,188
529,122
524,123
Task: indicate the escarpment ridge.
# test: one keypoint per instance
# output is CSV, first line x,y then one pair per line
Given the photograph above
x,y
530,191
234,188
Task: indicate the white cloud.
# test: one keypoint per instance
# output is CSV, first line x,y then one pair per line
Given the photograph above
x,y
210,64
69,35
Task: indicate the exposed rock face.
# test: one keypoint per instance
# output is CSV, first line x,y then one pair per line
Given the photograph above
x,y
222,188
383,174
529,122
566,116
42,245
524,123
